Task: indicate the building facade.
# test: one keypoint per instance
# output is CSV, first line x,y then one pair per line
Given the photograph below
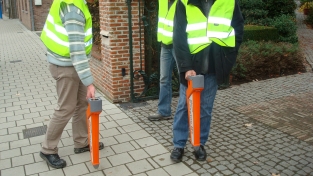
x,y
33,13
112,68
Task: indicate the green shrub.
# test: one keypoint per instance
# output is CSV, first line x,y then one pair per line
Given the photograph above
x,y
276,8
259,33
276,13
286,28
262,60
253,11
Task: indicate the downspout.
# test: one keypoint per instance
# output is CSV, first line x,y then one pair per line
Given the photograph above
x,y
130,50
31,14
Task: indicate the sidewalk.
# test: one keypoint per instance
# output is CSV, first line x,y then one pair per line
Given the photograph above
x,y
258,128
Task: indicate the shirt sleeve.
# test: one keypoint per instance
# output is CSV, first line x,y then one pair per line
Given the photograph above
x,y
238,25
74,22
180,44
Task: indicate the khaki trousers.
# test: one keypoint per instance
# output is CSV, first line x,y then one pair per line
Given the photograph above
x,y
72,103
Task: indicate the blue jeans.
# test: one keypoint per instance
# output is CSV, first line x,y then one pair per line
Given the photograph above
x,y
167,61
180,124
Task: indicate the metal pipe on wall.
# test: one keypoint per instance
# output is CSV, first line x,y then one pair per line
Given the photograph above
x,y
32,14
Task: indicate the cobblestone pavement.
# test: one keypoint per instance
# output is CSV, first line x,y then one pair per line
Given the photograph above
x,y
280,114
259,128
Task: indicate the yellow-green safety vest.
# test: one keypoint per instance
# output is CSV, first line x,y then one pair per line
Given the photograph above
x,y
54,35
201,31
166,22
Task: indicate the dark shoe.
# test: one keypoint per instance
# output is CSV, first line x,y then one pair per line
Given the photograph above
x,y
53,160
86,149
158,116
200,154
177,154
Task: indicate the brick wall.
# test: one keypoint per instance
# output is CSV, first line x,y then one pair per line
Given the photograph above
x,y
24,13
115,51
40,13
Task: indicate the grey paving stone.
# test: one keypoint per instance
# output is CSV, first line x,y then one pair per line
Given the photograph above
x,y
139,166
155,150
177,169
36,168
16,171
103,164
157,172
19,143
74,170
123,147
117,171
5,163
120,159
55,172
138,154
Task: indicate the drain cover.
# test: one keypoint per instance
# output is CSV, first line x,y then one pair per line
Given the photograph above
x,y
32,132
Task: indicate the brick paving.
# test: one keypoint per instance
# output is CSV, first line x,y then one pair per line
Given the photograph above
x,y
258,128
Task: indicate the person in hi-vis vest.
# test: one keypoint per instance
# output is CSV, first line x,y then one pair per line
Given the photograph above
x,y
207,36
167,58
67,34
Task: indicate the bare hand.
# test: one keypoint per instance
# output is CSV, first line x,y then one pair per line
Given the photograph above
x,y
90,91
190,73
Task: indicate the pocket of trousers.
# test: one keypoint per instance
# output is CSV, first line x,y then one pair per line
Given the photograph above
x,y
54,71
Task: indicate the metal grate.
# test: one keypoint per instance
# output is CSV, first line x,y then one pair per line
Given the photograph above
x,y
33,132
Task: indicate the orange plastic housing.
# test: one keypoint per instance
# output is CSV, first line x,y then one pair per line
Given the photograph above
x,y
93,133
193,95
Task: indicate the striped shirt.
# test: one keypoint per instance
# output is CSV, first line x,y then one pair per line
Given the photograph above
x,y
73,20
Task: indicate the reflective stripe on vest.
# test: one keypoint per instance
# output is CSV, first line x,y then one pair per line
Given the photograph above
x,y
166,22
201,31
55,36
219,23
196,28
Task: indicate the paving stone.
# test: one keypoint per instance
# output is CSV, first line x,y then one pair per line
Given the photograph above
x,y
82,157
138,154
19,143
56,172
36,168
139,166
157,172
109,132
74,170
139,134
177,169
123,138
99,173
22,160
155,150
117,171
16,171
121,148
109,141
148,141
104,164
131,128
120,159
10,153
